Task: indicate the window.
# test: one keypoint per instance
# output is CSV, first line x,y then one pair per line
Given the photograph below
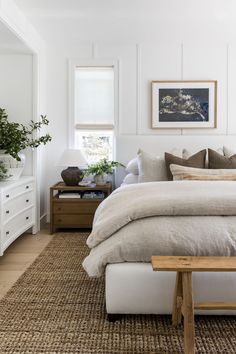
x,y
94,111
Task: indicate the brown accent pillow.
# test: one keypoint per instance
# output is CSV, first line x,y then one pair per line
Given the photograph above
x,y
197,160
218,161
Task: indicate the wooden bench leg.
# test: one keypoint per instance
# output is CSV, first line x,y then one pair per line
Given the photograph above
x,y
188,307
178,300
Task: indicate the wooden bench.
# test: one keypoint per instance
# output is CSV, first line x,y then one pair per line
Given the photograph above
x,y
183,296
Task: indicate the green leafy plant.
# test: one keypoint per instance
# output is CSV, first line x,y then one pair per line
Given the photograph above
x,y
102,167
3,172
15,137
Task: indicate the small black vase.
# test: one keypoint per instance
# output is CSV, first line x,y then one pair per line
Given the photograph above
x,y
72,176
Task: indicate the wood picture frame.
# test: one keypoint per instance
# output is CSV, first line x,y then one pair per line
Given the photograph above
x,y
184,104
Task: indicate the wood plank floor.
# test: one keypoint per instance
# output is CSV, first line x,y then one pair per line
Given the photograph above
x,y
18,257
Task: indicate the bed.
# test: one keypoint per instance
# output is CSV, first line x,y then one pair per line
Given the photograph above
x,y
161,218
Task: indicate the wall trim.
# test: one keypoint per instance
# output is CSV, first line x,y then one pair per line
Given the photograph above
x,y
138,93
43,221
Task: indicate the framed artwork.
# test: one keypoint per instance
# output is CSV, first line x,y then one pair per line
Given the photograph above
x,y
184,104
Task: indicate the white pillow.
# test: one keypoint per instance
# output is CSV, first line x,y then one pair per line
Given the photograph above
x,y
151,168
228,152
132,166
202,174
187,153
130,179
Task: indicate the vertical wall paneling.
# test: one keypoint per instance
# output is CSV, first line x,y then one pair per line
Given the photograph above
x,y
231,89
208,62
227,92
182,68
126,54
158,62
138,95
16,72
182,61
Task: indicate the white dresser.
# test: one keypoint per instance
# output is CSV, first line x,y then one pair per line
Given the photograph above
x,y
17,209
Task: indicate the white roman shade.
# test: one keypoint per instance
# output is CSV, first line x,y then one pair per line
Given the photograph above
x,y
94,98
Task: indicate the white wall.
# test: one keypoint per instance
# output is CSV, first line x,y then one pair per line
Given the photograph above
x,y
16,93
24,38
139,64
154,40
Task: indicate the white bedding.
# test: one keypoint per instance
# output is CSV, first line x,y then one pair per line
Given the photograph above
x,y
165,218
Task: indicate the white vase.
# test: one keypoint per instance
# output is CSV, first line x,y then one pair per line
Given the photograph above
x,y
14,167
100,179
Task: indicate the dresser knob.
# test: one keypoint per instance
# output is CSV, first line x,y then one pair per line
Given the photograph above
x,y
27,200
27,187
7,211
7,232
7,196
27,218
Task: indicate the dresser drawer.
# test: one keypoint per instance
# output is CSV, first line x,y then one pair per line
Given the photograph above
x,y
81,207
85,220
16,205
17,190
22,221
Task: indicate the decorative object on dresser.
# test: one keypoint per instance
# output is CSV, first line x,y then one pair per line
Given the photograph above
x,y
101,170
18,209
73,158
15,137
72,212
184,104
3,171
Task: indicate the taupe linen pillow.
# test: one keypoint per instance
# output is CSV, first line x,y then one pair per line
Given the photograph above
x,y
198,174
197,160
218,161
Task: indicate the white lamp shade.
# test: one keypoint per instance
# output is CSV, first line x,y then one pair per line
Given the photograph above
x,y
73,158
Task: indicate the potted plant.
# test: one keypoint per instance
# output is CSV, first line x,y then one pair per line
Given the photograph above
x,y
101,169
15,137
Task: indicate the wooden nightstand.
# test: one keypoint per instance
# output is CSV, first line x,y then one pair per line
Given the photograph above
x,y
74,212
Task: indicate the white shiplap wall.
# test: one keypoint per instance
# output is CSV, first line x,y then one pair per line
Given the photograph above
x,y
139,64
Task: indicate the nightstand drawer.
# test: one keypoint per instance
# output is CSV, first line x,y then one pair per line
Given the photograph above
x,y
80,207
85,220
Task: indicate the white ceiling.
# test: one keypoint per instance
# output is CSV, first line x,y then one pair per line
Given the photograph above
x,y
10,44
95,20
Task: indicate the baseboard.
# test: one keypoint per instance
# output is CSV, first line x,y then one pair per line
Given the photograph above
x,y
43,221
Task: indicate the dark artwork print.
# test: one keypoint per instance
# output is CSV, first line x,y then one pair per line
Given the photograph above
x,y
184,105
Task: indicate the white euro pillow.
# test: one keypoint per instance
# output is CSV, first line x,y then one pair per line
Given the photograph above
x,y
151,168
228,152
187,153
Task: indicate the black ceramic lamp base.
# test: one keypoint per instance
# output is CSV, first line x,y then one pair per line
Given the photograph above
x,y
72,176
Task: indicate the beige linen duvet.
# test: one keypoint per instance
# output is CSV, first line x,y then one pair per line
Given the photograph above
x,y
163,218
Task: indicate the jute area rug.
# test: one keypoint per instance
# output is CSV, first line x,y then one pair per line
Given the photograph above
x,y
55,308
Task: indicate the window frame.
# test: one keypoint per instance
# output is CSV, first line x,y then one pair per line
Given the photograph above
x,y
72,125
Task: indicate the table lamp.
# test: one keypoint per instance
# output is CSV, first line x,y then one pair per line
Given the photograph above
x,y
74,159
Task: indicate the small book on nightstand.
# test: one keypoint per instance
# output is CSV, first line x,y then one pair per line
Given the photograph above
x,y
69,195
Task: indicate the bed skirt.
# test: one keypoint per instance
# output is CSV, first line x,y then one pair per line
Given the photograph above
x,y
133,288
